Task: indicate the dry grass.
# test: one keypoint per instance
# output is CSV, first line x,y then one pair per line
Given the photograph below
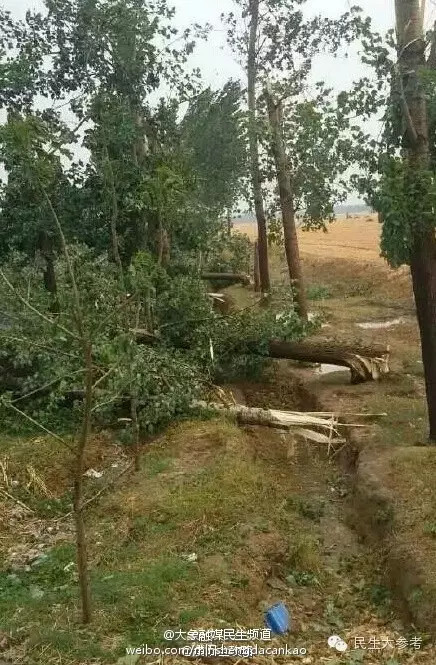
x,y
50,461
346,259
357,238
203,489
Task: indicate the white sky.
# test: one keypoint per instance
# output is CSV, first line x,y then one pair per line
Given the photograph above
x,y
217,62
214,57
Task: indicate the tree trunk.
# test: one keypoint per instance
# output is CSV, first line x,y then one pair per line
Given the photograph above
x,y
287,205
229,222
256,268
366,364
114,220
163,246
256,180
78,506
50,275
411,60
45,246
82,557
136,433
423,268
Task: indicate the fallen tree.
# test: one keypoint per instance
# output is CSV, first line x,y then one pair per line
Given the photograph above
x,y
323,428
365,363
248,415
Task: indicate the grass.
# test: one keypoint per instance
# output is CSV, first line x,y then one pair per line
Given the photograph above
x,y
304,557
312,509
207,489
127,604
318,292
201,490
405,423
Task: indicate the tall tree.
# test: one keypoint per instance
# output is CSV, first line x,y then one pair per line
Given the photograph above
x,y
26,224
400,168
412,63
287,202
212,136
105,63
256,180
277,43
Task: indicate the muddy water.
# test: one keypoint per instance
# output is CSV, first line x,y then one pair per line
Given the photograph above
x,y
380,325
331,369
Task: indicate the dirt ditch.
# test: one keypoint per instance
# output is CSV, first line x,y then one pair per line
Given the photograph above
x,y
364,586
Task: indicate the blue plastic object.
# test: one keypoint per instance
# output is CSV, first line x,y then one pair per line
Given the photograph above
x,y
277,619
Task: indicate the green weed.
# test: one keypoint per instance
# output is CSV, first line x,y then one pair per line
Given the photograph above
x,y
318,292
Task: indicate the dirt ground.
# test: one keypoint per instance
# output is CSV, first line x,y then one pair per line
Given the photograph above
x,y
395,491
361,299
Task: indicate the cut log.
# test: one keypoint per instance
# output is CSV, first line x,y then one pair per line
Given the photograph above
x,y
365,363
318,429
239,278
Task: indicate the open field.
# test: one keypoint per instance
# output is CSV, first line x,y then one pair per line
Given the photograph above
x,y
354,238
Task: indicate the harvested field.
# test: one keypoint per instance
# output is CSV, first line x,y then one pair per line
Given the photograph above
x,y
357,238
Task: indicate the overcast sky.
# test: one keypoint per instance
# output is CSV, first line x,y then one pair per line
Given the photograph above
x,y
214,58
217,62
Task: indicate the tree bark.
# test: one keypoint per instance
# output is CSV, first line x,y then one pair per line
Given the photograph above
x,y
423,269
163,246
256,180
287,205
136,433
256,268
82,557
45,246
114,220
229,222
411,61
366,364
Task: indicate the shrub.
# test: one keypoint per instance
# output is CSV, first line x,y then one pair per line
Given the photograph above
x,y
318,292
231,254
193,347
